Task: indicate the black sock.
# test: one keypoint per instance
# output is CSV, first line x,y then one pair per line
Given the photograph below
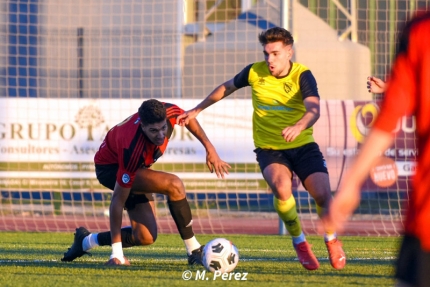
x,y
181,213
104,238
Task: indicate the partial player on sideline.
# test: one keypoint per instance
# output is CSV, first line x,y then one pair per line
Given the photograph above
x,y
123,165
407,93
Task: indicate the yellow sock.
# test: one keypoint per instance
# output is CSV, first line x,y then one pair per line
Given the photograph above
x,y
329,234
288,213
320,210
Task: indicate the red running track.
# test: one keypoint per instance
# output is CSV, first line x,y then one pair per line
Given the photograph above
x,y
201,225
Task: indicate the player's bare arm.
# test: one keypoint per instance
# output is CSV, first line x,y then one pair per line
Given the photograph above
x,y
348,196
119,197
312,114
220,92
213,161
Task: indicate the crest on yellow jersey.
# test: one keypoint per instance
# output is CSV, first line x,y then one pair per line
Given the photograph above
x,y
261,81
287,87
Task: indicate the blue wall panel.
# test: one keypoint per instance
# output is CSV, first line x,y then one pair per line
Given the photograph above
x,y
22,48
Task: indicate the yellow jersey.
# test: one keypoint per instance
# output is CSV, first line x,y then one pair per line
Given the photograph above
x,y
277,103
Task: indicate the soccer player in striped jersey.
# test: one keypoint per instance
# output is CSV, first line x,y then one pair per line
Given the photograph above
x,y
407,93
123,164
286,106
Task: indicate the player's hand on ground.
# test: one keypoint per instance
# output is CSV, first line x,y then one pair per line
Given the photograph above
x,y
116,262
291,133
185,118
375,85
216,164
345,201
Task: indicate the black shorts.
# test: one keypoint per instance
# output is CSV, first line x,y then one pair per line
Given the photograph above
x,y
413,264
303,161
106,174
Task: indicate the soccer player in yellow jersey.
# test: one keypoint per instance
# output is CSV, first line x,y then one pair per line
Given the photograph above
x,y
286,106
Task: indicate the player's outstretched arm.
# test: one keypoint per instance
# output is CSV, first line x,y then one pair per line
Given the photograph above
x,y
216,95
376,85
347,197
119,197
213,160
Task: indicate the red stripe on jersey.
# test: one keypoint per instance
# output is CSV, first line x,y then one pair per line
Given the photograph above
x,y
173,111
133,165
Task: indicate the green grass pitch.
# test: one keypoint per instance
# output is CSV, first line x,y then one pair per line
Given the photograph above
x,y
33,259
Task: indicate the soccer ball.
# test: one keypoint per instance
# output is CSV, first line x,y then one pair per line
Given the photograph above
x,y
220,255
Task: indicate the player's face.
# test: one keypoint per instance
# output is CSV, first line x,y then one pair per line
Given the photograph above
x,y
156,133
278,56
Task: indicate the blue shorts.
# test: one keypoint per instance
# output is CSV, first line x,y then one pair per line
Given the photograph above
x,y
303,161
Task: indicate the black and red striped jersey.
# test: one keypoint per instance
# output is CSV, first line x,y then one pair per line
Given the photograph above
x,y
126,145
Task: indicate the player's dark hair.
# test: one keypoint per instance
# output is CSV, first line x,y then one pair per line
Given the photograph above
x,y
151,112
276,34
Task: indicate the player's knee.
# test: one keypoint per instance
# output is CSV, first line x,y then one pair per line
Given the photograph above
x,y
282,191
145,239
176,188
322,199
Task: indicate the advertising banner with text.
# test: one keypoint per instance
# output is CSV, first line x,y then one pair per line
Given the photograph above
x,y
49,144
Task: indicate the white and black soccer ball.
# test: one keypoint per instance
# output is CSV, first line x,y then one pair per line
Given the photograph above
x,y
220,255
